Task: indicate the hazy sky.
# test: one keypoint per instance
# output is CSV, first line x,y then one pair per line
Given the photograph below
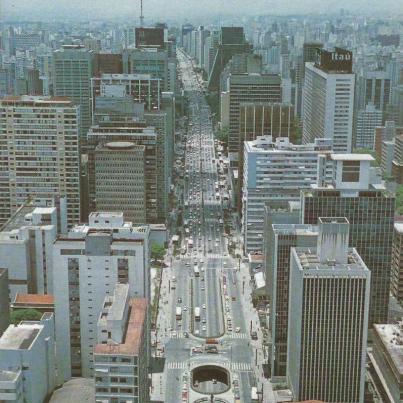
x,y
37,9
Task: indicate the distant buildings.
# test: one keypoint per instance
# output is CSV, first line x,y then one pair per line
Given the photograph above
x,y
369,208
73,67
120,357
27,361
328,318
41,157
328,99
91,260
275,170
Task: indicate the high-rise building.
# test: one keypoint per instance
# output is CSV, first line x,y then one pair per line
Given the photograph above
x,y
4,301
279,238
73,67
26,245
108,63
138,134
248,88
385,361
39,154
275,170
369,208
396,283
91,259
27,361
119,180
120,357
328,322
372,87
142,88
328,99
151,61
397,163
231,41
367,120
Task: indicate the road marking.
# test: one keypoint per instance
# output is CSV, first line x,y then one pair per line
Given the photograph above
x,y
239,336
177,365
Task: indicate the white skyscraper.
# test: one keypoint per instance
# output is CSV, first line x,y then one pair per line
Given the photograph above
x,y
276,171
328,99
90,261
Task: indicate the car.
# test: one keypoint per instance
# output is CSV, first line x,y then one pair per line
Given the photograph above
x,y
237,329
202,278
202,288
186,335
253,335
204,328
204,320
197,332
185,308
179,300
204,306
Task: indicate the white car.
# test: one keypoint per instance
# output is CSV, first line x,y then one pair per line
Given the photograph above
x,y
237,329
204,328
204,306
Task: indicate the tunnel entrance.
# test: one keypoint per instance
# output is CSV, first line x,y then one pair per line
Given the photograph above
x,y
210,379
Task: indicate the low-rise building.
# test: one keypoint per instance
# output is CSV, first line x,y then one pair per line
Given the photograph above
x,y
120,357
27,361
386,361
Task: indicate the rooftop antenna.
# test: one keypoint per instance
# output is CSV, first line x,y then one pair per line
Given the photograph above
x,y
141,14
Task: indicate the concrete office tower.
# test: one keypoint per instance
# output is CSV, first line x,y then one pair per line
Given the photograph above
x,y
151,61
73,67
27,361
108,63
142,88
385,133
119,180
275,171
370,210
328,318
386,357
372,87
388,152
26,245
231,41
46,166
279,238
248,88
4,301
328,99
396,282
91,259
367,120
140,135
120,357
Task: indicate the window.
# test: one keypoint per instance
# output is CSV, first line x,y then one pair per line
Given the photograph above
x,y
351,171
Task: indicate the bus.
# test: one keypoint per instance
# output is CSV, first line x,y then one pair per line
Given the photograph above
x,y
178,313
196,271
254,398
197,313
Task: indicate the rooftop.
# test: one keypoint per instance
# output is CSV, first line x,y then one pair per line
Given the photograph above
x,y
34,299
77,390
9,376
39,100
399,227
352,157
20,337
133,338
391,336
309,261
295,229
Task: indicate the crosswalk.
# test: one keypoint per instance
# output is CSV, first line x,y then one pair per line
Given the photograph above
x,y
176,335
177,365
239,336
233,366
